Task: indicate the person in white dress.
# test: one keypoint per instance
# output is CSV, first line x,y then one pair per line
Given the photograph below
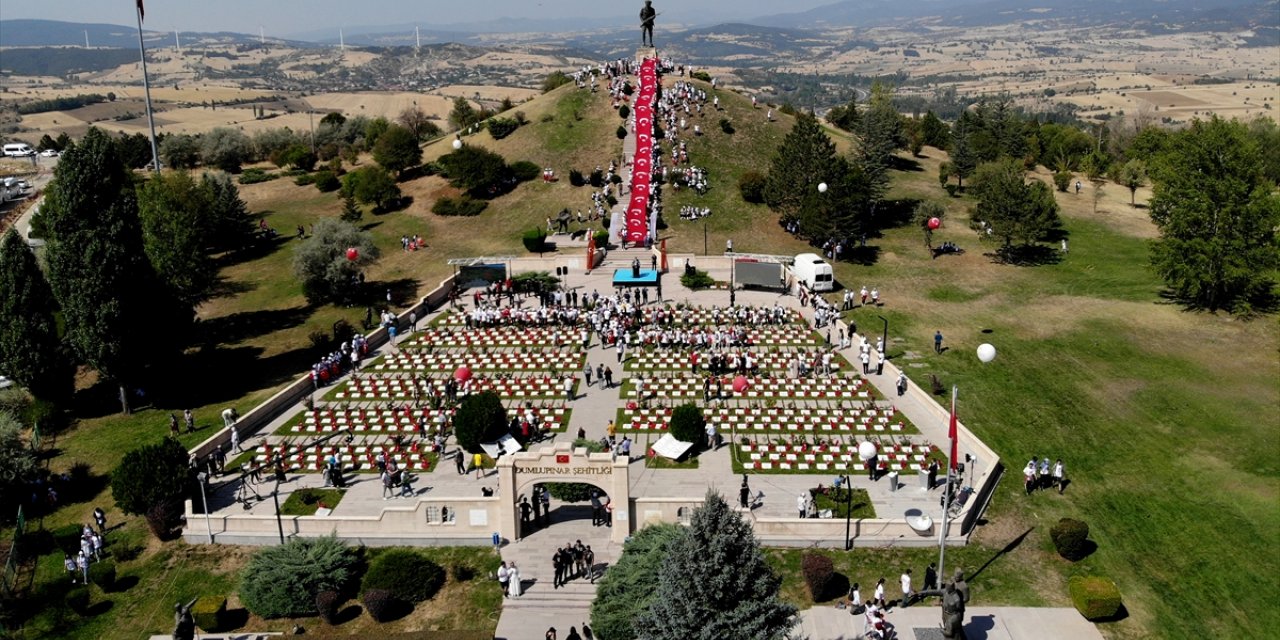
x,y
513,581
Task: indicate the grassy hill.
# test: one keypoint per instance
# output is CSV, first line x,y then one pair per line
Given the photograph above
x,y
1165,418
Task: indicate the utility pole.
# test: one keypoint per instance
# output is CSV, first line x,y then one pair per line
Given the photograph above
x,y
146,87
177,44
86,38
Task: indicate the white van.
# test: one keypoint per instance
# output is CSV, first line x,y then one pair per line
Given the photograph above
x,y
18,150
813,272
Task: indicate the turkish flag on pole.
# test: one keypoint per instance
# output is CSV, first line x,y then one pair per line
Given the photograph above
x,y
951,433
141,13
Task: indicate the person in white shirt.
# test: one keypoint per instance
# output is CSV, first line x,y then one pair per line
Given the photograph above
x,y
907,594
802,504
878,598
1059,476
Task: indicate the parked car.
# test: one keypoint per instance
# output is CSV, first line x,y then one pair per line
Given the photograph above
x,y
49,153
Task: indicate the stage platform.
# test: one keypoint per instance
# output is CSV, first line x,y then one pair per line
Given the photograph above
x,y
625,278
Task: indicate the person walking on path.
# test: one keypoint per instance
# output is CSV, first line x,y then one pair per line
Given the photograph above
x,y
608,377
589,560
930,577
937,342
586,373
514,588
190,419
744,494
933,478
568,388
504,575
902,383
477,461
907,594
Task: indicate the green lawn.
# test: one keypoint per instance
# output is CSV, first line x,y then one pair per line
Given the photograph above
x,y
305,502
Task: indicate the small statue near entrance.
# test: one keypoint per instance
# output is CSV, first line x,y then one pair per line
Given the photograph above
x,y
647,16
955,595
184,626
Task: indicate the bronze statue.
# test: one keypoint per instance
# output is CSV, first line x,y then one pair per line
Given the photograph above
x,y
184,626
647,15
955,595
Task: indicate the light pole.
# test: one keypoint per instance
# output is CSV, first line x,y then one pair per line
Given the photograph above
x,y
275,497
848,513
204,476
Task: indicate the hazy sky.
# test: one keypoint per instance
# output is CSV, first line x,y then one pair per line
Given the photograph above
x,y
283,17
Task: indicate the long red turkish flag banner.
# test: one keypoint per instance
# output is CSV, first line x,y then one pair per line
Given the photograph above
x,y
642,165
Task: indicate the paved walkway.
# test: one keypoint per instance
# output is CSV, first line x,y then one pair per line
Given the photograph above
x,y
923,622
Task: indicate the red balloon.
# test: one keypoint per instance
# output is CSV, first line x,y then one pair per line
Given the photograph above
x,y
740,384
934,223
352,253
463,374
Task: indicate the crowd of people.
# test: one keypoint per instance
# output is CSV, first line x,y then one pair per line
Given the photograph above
x,y
345,358
690,213
1041,476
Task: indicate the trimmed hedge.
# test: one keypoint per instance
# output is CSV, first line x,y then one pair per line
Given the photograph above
x,y
1095,597
818,571
327,603
535,240
210,612
689,425
697,280
1070,538
570,491
405,574
379,603
524,170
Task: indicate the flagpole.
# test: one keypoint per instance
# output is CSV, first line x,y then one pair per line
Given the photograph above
x,y
146,88
946,496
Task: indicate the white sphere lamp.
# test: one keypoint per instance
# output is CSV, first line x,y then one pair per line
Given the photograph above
x,y
822,187
457,143
986,352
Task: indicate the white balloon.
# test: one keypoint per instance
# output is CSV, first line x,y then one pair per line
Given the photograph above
x,y
457,144
867,450
822,187
986,352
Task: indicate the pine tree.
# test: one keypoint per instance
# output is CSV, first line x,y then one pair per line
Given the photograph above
x,y
715,584
32,354
118,316
1218,214
230,224
806,158
350,210
963,158
880,134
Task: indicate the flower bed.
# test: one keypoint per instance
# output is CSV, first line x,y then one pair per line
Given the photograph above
x,y
906,458
554,417
480,361
379,388
835,388
494,337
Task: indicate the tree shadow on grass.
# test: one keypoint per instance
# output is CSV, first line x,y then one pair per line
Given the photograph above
x,y
1266,303
371,225
348,614
899,163
1026,255
895,213
238,327
1121,614
99,608
863,255
404,291
235,619
1008,548
226,288
257,248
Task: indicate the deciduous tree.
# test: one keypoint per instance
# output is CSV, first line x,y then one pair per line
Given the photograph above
x,y
226,149
480,418
322,264
397,149
150,475
177,216
1015,212
1217,215
371,185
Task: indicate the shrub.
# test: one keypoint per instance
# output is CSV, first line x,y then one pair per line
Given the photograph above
x,y
254,175
726,126
405,574
817,570
688,424
569,491
379,603
611,201
596,178
1095,597
283,581
305,179
576,179
327,181
327,603
210,612
697,280
952,190
751,185
150,475
462,206
621,132
165,520
1070,538
500,128
103,574
624,112
602,239
524,171
535,240
77,600
1062,180
479,418
700,75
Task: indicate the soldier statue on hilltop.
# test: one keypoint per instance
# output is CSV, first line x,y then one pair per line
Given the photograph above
x,y
955,596
184,626
647,15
